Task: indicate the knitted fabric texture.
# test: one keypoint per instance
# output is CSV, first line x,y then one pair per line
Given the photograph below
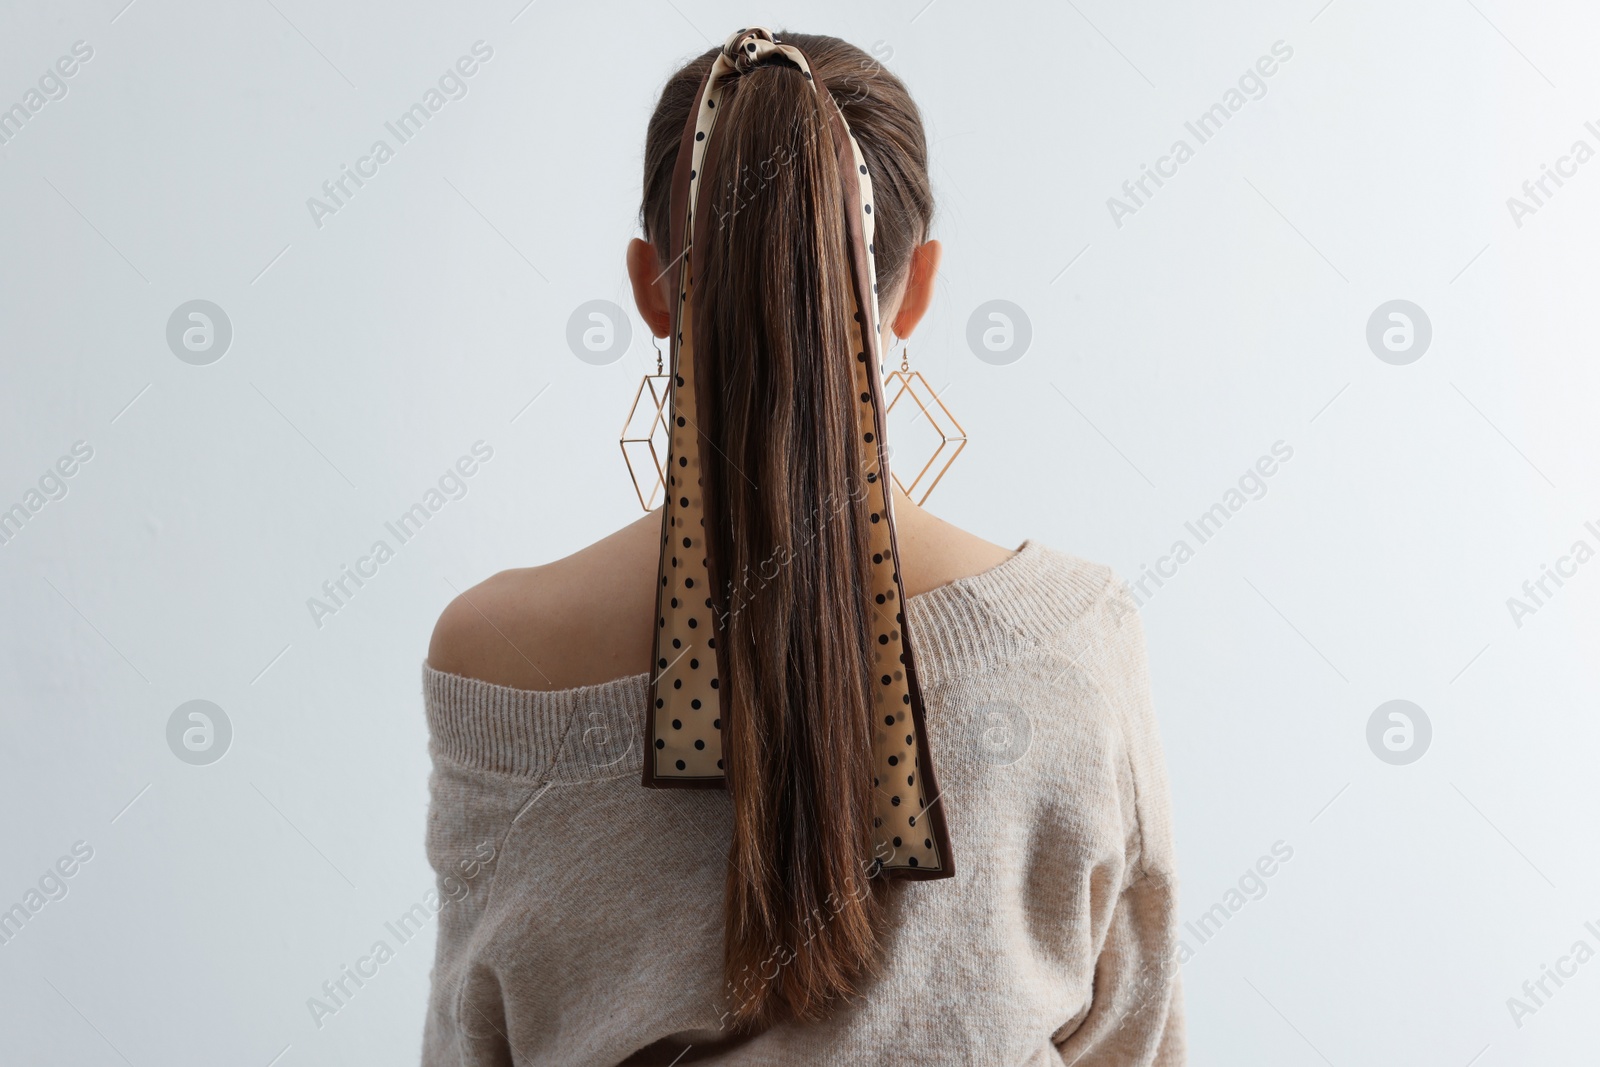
x,y
594,934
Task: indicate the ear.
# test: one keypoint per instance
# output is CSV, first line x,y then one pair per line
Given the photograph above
x,y
652,289
920,277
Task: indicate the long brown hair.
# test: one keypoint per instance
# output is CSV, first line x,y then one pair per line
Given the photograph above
x,y
784,500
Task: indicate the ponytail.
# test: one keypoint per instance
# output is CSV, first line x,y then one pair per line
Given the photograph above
x,y
772,308
788,505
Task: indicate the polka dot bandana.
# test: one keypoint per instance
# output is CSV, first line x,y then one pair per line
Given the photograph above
x,y
686,719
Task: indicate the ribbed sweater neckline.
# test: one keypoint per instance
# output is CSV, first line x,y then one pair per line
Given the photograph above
x,y
968,625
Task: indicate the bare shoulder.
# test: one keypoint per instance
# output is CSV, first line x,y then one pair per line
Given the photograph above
x,y
934,552
581,620
585,619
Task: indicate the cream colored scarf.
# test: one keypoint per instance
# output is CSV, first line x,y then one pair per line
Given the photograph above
x,y
686,716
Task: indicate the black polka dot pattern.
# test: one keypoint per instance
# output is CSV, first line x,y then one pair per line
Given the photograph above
x,y
685,715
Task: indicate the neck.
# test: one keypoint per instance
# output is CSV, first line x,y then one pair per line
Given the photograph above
x,y
904,506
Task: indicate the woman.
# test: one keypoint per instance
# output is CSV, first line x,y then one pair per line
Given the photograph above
x,y
691,768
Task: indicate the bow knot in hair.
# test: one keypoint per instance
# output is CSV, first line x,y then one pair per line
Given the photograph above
x,y
750,48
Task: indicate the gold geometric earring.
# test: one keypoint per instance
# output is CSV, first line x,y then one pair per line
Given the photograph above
x,y
907,383
645,435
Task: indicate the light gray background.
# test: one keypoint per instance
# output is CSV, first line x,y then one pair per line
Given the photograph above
x,y
1168,354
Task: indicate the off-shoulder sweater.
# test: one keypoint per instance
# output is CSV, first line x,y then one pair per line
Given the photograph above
x,y
581,913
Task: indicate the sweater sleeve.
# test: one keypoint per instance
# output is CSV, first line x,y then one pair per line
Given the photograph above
x,y
467,821
1135,1016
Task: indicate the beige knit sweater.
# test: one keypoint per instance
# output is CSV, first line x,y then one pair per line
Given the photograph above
x,y
592,933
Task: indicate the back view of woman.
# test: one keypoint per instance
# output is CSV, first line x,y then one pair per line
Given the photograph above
x,y
791,771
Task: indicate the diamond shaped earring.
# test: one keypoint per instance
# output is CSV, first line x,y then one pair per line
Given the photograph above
x,y
645,436
906,383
